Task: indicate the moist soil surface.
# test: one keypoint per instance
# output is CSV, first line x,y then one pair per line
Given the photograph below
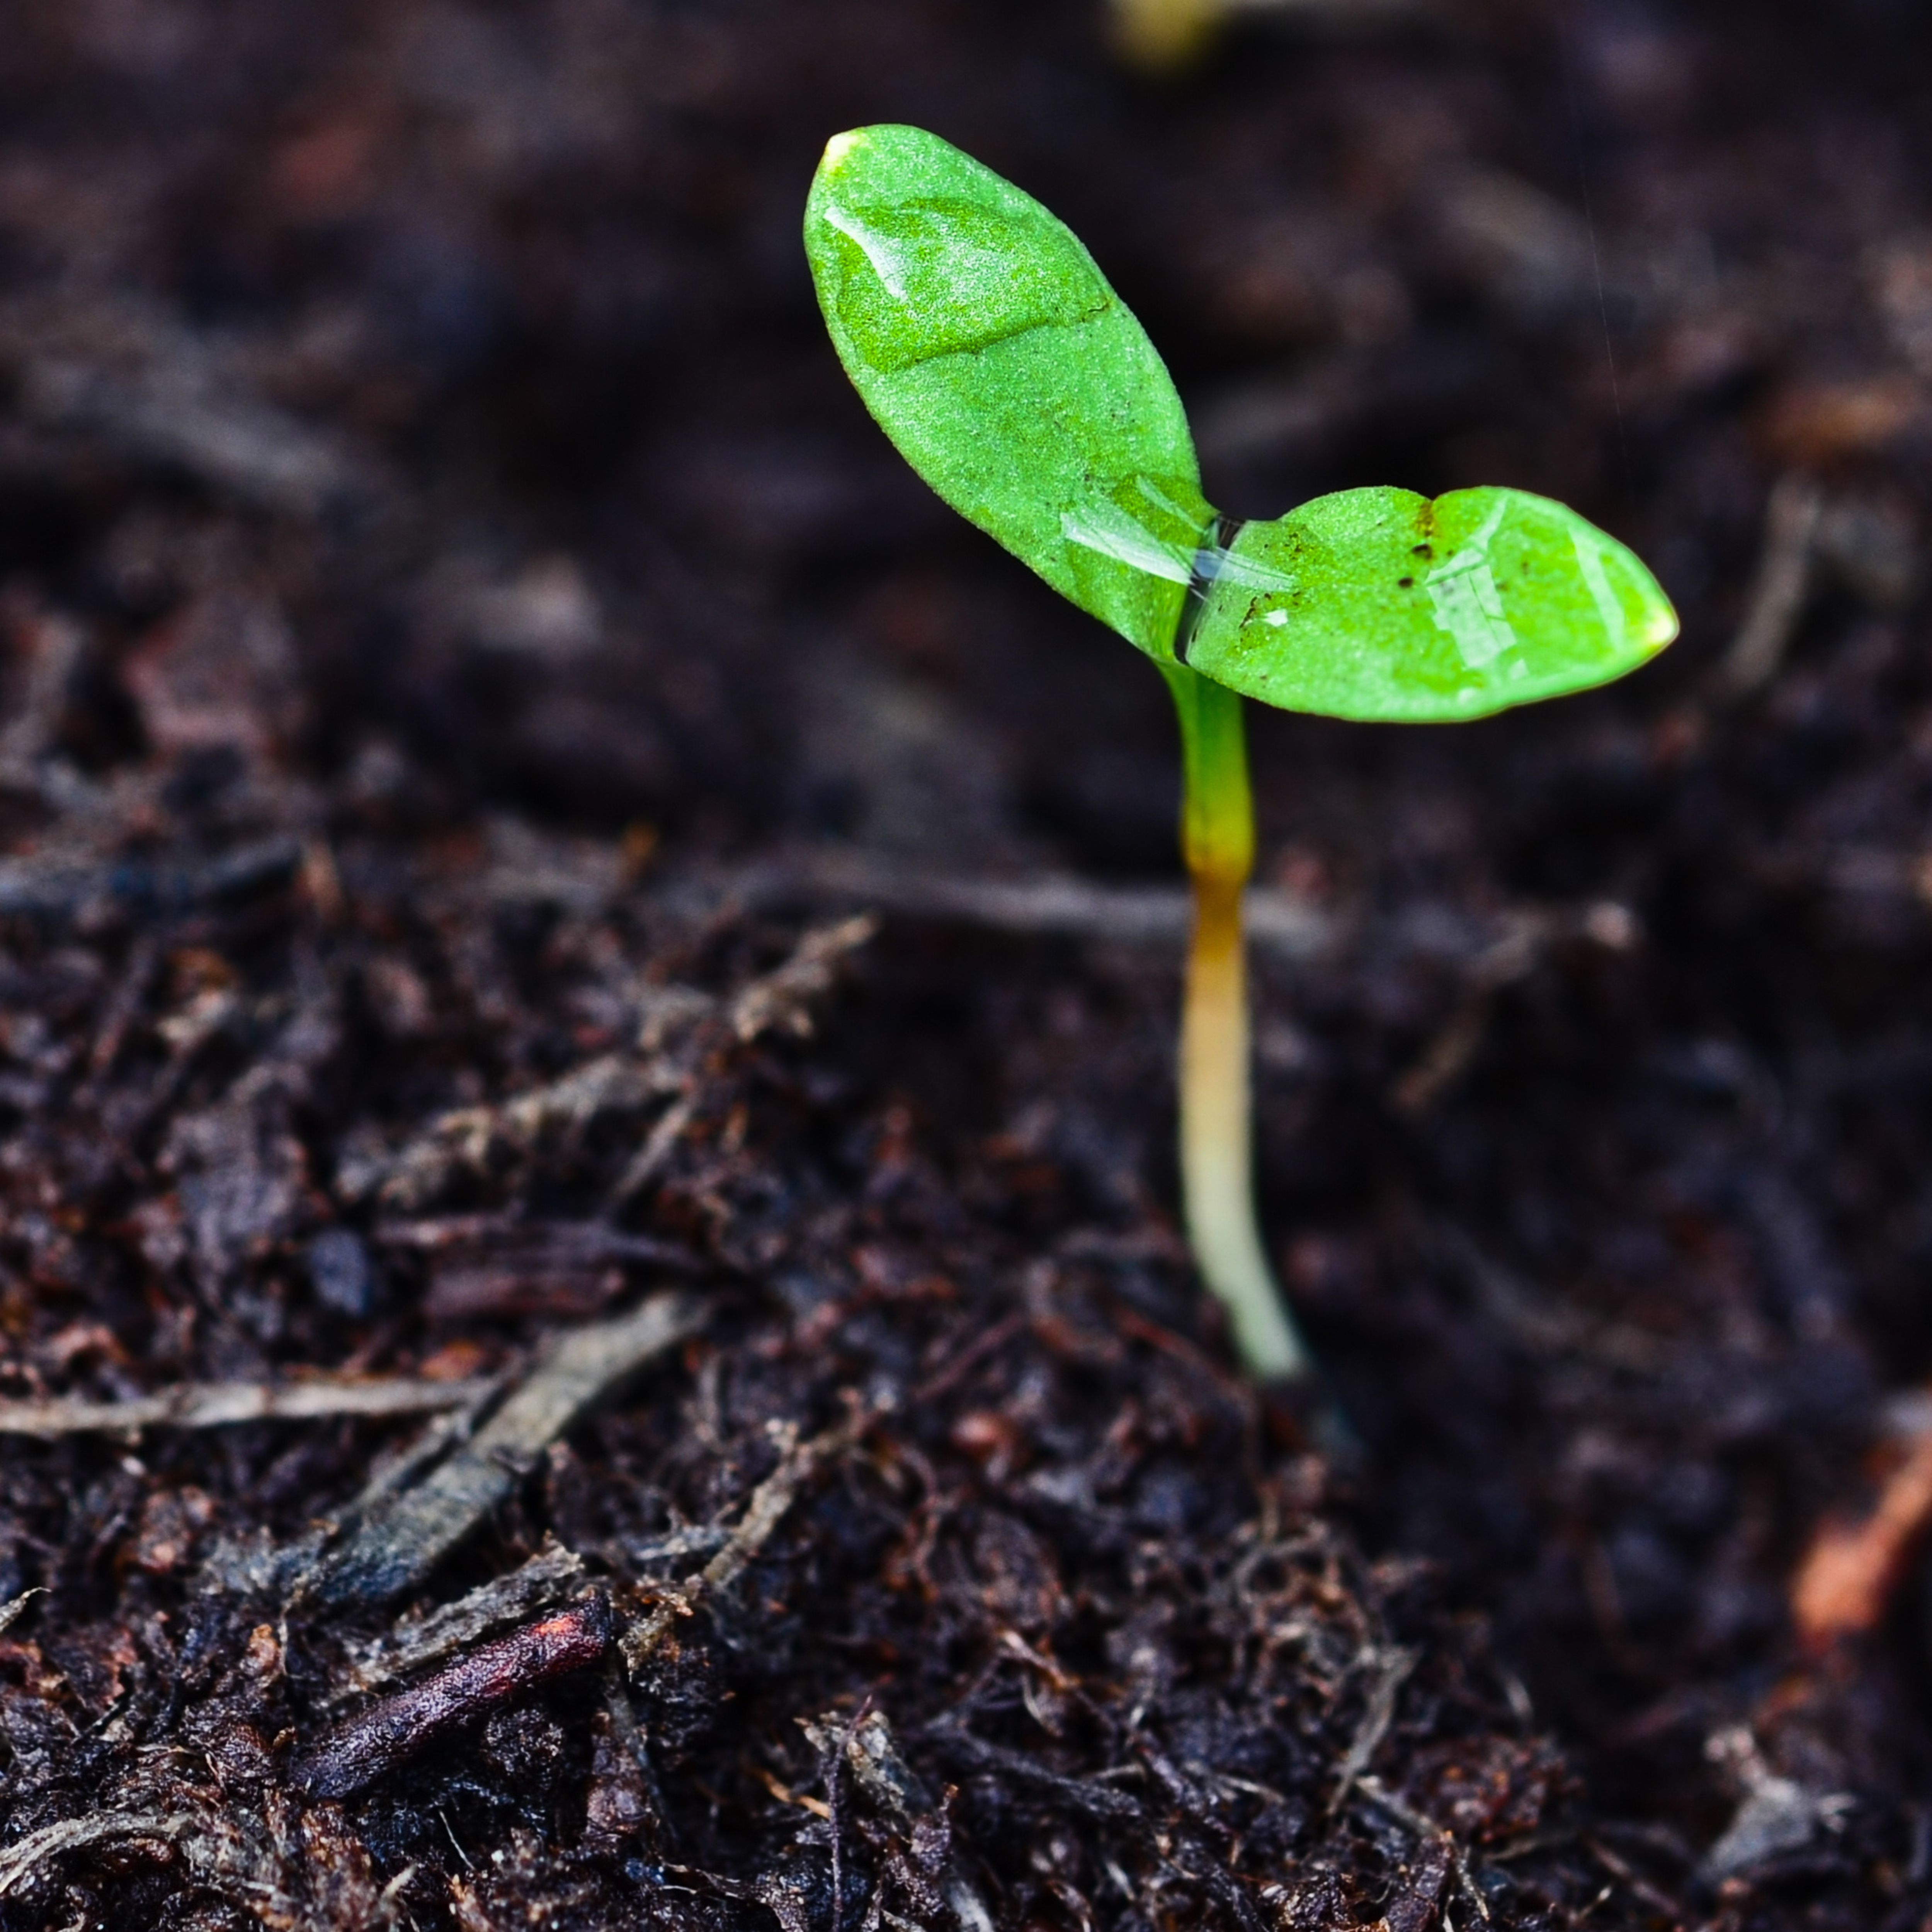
x,y
592,1326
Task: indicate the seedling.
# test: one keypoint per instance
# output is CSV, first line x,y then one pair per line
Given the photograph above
x,y
990,348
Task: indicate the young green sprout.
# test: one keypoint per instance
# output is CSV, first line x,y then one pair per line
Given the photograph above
x,y
991,350
1162,35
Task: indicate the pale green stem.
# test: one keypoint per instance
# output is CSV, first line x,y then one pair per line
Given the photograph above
x,y
1217,1153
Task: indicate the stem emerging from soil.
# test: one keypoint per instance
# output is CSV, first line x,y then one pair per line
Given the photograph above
x,y
1217,1159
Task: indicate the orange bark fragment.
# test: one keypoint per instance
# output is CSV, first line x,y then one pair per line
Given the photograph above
x,y
1846,1582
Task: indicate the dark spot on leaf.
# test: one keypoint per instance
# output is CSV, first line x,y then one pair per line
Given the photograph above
x,y
1405,583
1422,549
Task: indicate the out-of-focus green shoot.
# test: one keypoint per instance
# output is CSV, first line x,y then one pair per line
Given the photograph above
x,y
1162,35
1165,37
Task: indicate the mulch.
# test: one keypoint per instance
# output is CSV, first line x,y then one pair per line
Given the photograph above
x,y
592,1330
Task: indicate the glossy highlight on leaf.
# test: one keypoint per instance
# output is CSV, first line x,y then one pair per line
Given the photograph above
x,y
1379,604
991,349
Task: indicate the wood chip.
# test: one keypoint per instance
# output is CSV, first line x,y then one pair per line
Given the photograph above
x,y
1850,1574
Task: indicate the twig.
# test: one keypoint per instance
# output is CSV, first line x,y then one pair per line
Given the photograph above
x,y
118,1012
1133,915
121,373
19,1862
871,1753
15,1607
1621,1869
255,1566
1426,1827
630,1734
664,1136
547,1580
484,1263
1526,938
835,1791
374,1742
532,1244
397,1546
465,1137
221,1405
782,997
1492,949
51,888
1097,1801
769,1501
1392,1668
1782,583
963,1361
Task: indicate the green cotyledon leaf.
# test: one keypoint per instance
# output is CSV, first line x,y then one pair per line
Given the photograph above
x,y
990,348
1378,604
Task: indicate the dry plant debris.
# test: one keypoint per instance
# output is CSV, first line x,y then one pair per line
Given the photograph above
x,y
1028,1618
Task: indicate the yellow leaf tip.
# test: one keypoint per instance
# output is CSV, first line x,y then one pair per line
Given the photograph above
x,y
840,146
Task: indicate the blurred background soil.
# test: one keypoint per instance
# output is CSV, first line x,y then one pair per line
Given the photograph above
x,y
464,641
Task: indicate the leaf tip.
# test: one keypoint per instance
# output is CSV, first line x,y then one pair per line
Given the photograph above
x,y
839,147
1661,624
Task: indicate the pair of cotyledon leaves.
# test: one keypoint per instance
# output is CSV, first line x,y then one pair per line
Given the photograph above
x,y
990,347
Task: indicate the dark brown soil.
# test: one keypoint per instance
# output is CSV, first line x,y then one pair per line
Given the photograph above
x,y
469,658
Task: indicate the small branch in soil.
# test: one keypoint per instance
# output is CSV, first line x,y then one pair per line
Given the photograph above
x,y
1426,1829
20,1862
630,1734
1621,1869
54,888
220,1405
388,1735
1284,926
397,1546
1778,594
769,1501
1131,915
1392,1669
545,1583
1096,1801
1525,938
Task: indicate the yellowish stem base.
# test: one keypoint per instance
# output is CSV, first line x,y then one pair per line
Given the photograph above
x,y
1216,1158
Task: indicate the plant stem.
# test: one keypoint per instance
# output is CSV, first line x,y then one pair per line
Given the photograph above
x,y
1216,1156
